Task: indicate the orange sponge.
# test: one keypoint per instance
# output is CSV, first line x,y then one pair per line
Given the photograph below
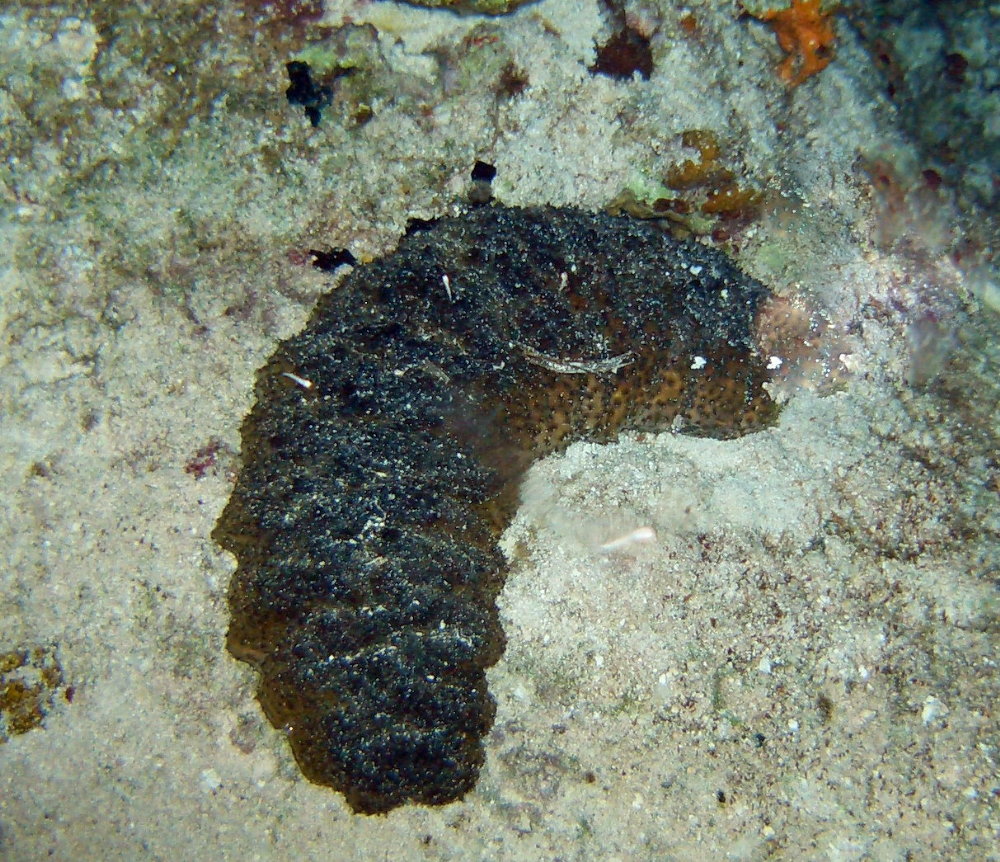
x,y
806,35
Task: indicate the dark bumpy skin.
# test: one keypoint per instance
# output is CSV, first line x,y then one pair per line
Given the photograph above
x,y
366,514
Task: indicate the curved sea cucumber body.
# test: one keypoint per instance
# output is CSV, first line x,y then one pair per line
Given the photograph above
x,y
382,458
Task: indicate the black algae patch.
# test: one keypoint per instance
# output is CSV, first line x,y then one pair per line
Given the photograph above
x,y
382,458
303,91
625,53
329,261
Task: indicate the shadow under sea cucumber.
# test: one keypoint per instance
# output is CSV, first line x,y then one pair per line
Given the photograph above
x,y
382,459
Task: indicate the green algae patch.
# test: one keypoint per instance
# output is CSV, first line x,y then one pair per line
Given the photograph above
x,y
477,7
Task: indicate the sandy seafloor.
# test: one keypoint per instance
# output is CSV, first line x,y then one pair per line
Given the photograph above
x,y
801,665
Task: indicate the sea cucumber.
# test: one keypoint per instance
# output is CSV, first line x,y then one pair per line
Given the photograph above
x,y
382,459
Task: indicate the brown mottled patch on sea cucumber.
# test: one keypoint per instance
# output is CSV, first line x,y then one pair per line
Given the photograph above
x,y
382,460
